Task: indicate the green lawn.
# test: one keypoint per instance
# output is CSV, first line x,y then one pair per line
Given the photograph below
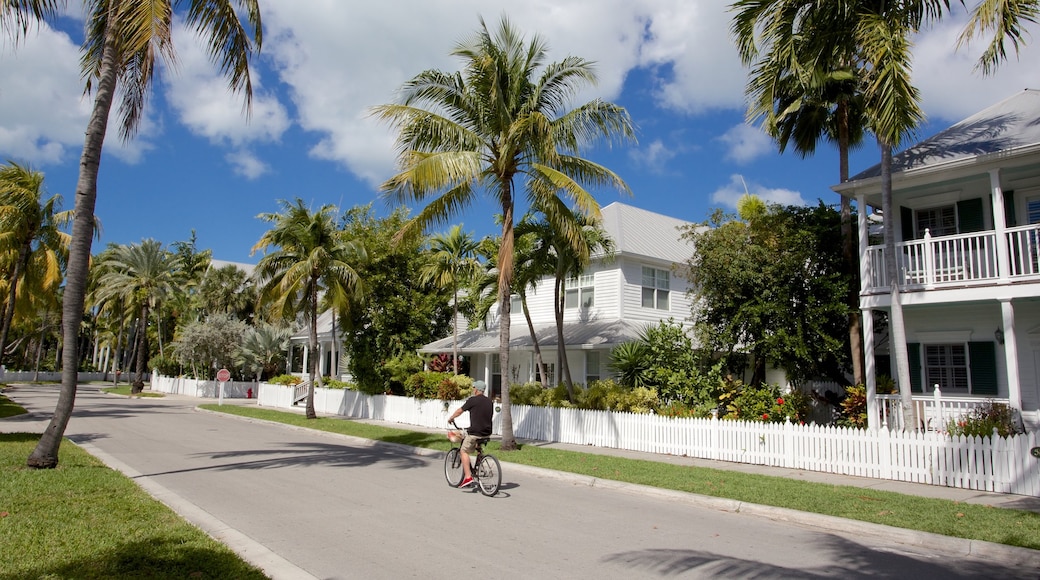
x,y
9,408
83,520
125,391
950,518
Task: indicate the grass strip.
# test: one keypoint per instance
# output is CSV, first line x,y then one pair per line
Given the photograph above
x,y
9,408
84,520
125,391
938,516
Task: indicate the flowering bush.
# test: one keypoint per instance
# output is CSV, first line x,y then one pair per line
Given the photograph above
x,y
982,421
765,403
854,408
290,380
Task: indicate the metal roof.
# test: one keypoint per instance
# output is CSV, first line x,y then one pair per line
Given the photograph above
x,y
575,334
643,233
1011,124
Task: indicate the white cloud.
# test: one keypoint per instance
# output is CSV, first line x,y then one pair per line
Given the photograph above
x,y
200,96
42,114
728,194
654,156
247,164
745,143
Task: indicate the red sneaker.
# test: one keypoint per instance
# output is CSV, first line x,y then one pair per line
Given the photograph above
x,y
467,482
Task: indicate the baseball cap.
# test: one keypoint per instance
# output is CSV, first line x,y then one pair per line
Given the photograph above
x,y
480,386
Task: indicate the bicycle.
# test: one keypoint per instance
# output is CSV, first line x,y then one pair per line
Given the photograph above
x,y
486,469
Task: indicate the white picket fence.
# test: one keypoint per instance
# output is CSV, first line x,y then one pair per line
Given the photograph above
x,y
204,389
990,464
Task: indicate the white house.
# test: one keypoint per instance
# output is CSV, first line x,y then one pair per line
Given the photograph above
x,y
967,219
611,303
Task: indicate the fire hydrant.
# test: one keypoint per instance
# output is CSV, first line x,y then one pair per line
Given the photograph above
x,y
249,393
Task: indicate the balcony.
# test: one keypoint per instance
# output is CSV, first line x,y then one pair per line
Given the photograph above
x,y
958,261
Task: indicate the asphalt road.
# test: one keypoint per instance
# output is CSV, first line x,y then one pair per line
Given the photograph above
x,y
303,504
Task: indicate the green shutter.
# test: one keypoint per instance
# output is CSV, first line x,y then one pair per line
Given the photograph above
x,y
906,215
970,216
913,352
982,356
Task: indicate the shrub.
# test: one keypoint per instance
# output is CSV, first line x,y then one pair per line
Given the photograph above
x,y
331,383
285,380
637,400
399,368
854,408
982,421
165,366
455,387
424,384
766,403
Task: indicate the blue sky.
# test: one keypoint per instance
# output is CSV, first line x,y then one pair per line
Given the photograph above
x,y
197,164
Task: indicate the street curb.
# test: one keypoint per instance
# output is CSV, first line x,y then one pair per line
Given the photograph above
x,y
947,545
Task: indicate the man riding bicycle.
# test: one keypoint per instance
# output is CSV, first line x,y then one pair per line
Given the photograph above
x,y
481,410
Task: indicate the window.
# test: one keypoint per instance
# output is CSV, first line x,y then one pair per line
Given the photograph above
x,y
514,304
946,365
550,374
580,292
592,366
655,288
939,221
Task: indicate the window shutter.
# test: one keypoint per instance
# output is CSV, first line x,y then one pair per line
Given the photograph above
x,y
982,356
1009,209
969,215
913,352
906,215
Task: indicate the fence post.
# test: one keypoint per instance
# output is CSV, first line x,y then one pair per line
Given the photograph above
x,y
937,399
713,453
790,457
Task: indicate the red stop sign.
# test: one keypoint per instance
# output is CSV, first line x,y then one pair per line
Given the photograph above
x,y
223,375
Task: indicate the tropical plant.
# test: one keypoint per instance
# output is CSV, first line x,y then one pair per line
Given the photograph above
x,y
311,259
479,130
208,345
453,263
123,40
142,276
263,348
33,247
227,290
987,420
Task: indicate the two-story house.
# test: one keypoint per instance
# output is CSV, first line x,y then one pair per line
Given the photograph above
x,y
966,215
610,303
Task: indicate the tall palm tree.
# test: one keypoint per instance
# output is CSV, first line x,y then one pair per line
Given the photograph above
x,y
30,232
801,104
122,43
17,16
143,276
453,262
311,261
1006,19
481,129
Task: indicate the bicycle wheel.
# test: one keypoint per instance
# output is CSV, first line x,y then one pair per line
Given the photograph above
x,y
489,475
453,467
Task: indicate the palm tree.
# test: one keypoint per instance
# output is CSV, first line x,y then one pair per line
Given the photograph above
x,y
480,130
30,232
123,40
1005,18
227,290
872,40
313,261
452,262
802,104
17,16
142,276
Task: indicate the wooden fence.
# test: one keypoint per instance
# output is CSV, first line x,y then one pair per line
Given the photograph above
x,y
1003,465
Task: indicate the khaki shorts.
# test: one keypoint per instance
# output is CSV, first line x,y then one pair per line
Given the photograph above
x,y
469,444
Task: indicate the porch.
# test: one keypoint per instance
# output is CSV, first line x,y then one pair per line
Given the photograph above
x,y
974,259
933,412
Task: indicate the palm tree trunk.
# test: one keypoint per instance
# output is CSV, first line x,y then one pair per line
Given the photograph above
x,y
505,279
559,298
313,358
848,249
534,341
142,351
45,455
19,266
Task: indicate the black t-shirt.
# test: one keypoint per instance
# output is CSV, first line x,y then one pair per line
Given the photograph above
x,y
481,410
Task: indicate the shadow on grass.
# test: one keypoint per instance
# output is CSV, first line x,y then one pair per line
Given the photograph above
x,y
160,558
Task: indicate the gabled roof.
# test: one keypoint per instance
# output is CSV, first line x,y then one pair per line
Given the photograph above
x,y
588,334
1006,127
639,232
324,326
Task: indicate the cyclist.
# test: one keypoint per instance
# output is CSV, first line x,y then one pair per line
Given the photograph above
x,y
481,410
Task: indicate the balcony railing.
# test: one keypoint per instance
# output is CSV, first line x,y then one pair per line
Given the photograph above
x,y
964,259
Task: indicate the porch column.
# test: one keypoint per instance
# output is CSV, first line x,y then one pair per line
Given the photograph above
x,y
864,256
306,358
897,341
1000,228
869,372
1007,312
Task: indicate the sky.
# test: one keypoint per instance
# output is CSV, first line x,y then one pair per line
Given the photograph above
x,y
198,164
